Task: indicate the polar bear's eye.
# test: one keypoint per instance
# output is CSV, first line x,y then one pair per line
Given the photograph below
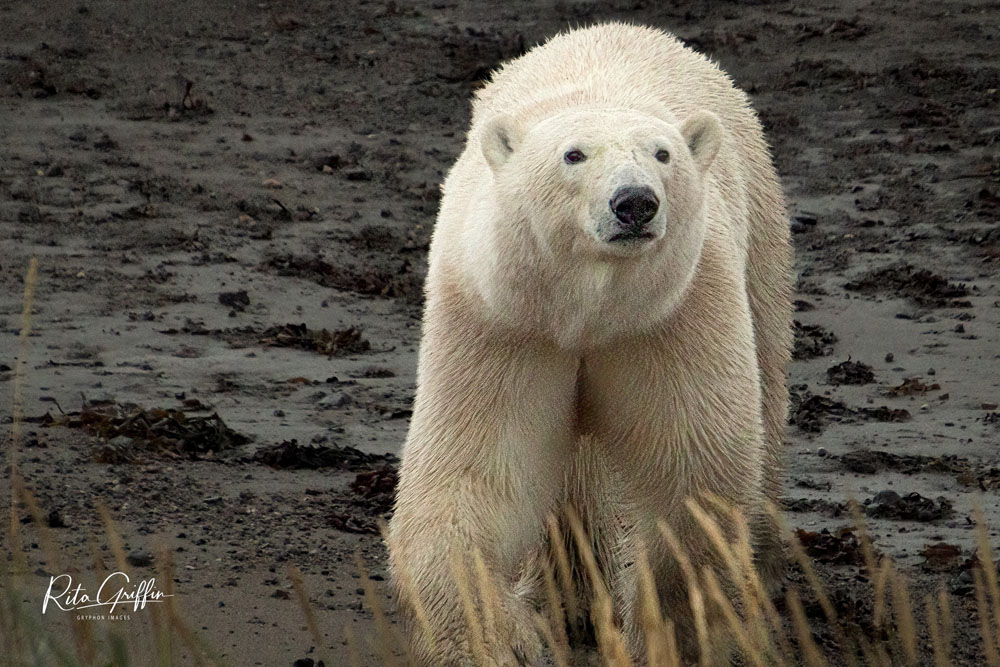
x,y
662,155
574,156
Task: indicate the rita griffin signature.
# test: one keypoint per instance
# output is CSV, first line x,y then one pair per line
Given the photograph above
x,y
112,592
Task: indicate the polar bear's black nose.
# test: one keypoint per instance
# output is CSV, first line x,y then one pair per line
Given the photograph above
x,y
634,206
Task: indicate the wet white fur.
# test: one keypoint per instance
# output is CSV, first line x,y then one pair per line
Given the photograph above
x,y
555,366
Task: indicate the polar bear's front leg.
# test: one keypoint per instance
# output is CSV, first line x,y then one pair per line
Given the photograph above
x,y
677,411
492,430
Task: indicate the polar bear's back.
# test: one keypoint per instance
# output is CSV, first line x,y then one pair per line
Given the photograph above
x,y
615,65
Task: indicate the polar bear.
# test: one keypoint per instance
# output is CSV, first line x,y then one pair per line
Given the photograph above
x,y
607,323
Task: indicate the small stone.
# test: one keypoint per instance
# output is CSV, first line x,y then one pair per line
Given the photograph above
x,y
212,500
358,175
886,498
821,452
889,358
338,400
140,558
105,143
931,371
238,300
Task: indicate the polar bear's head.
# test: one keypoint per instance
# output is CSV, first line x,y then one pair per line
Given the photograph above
x,y
604,183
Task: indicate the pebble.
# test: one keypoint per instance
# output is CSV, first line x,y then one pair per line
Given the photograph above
x,y
886,498
338,400
140,558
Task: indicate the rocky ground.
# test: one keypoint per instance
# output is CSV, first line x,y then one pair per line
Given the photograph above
x,y
231,205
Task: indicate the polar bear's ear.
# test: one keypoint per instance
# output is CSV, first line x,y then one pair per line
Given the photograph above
x,y
703,134
498,139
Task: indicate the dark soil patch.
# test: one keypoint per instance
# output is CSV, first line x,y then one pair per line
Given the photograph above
x,y
374,494
986,480
852,601
883,413
850,372
919,285
291,455
818,505
911,387
842,547
373,372
867,462
911,507
353,523
941,557
810,411
129,433
331,343
811,341
402,282
374,237
377,486
336,343
238,300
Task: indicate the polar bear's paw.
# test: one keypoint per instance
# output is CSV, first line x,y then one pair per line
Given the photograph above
x,y
514,642
506,639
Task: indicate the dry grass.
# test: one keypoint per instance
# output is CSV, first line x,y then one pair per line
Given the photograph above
x,y
729,605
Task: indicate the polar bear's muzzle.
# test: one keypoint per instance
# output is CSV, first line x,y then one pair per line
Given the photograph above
x,y
633,208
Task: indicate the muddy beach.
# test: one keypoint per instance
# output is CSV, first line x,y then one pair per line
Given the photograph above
x,y
231,205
